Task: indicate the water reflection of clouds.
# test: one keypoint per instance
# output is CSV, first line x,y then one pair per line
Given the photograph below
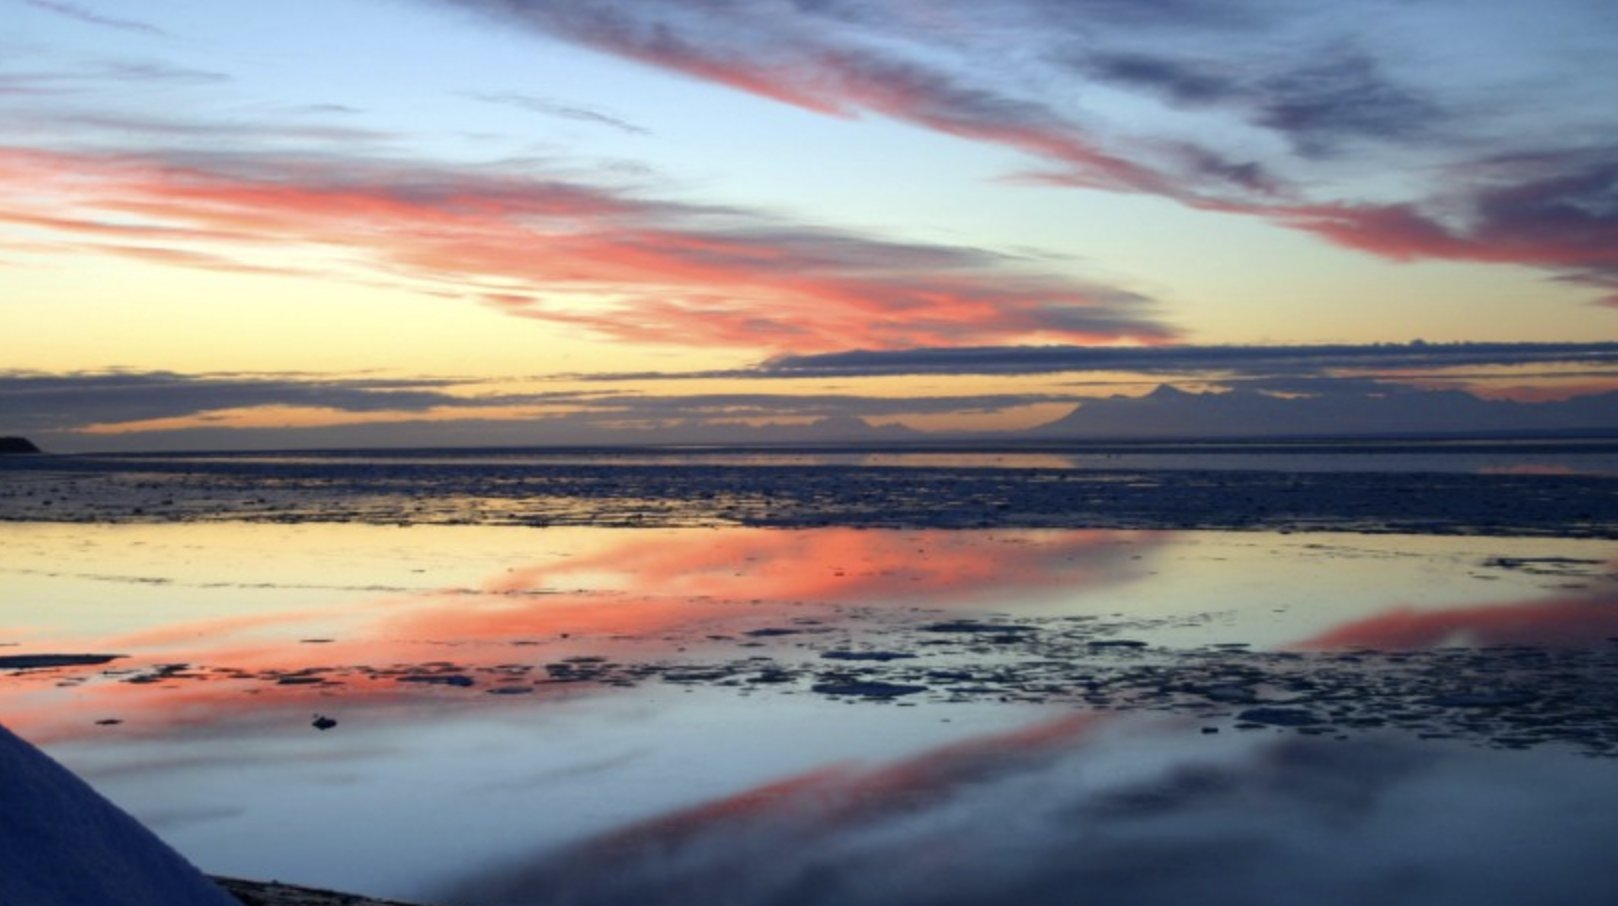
x,y
639,595
1079,804
1074,810
1582,616
1575,621
656,584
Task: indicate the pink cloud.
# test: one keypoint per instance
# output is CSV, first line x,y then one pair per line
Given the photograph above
x,y
1581,249
612,264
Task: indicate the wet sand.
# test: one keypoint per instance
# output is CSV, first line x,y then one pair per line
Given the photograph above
x,y
1500,696
677,493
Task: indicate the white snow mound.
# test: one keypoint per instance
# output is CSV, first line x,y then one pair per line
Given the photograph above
x,y
62,844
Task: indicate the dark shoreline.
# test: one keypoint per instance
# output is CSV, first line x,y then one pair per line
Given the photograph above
x,y
275,893
1593,440
431,492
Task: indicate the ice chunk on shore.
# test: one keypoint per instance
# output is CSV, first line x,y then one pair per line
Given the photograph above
x,y
62,844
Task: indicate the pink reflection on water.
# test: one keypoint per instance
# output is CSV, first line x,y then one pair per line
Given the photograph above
x,y
1579,621
1533,468
715,847
1085,809
644,596
659,584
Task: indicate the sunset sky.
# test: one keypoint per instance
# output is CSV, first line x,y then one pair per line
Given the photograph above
x,y
507,221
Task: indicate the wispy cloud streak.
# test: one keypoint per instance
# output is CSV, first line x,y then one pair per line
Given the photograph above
x,y
85,14
565,111
1494,166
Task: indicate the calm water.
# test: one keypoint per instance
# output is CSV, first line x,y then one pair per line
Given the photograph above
x,y
836,715
1564,457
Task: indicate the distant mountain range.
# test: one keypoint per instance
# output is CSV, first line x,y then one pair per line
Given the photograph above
x,y
1171,413
1165,414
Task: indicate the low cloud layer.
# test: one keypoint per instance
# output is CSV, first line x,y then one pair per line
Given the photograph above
x,y
64,402
1226,361
1272,392
33,402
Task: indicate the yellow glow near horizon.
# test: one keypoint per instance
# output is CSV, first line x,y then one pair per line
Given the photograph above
x,y
71,313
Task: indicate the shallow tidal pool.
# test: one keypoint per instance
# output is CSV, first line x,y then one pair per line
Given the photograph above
x,y
834,715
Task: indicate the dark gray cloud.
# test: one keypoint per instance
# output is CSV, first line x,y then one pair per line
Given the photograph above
x,y
1317,105
1262,102
65,402
1274,397
1232,360
1081,16
781,54
1181,81
32,402
1343,97
776,405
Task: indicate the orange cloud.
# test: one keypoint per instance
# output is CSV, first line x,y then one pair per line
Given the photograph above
x,y
611,264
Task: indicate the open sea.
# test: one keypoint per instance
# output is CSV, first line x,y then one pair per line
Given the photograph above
x,y
1237,674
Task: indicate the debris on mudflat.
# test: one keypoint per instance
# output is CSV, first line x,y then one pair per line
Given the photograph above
x,y
867,688
865,655
437,679
40,661
975,626
1280,717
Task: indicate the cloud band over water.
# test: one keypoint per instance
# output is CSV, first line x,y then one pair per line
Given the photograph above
x,y
1249,108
